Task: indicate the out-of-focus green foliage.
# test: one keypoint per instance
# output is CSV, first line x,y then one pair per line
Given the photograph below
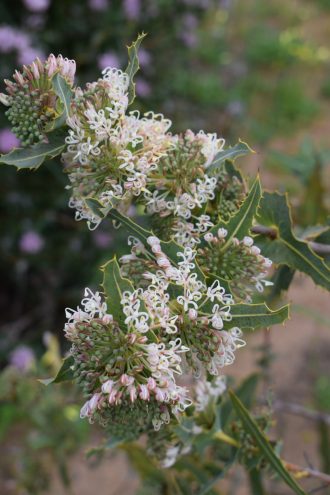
x,y
40,428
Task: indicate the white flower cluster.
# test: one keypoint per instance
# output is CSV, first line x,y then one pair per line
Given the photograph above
x,y
198,303
182,205
160,361
206,390
110,152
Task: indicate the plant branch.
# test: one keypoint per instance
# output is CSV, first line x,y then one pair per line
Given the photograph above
x,y
306,472
298,410
271,232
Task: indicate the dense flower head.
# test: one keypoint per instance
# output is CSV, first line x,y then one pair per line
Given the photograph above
x,y
32,101
122,367
238,262
180,183
110,152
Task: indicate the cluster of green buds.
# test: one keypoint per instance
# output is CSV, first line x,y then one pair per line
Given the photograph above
x,y
238,262
32,101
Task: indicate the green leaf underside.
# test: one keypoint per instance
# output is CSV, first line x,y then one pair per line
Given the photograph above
x,y
65,373
133,65
35,155
263,443
231,153
64,92
239,224
286,249
114,285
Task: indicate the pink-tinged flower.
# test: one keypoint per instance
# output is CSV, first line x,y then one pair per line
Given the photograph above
x,y
98,5
151,384
132,8
108,59
37,5
143,88
8,140
22,358
107,386
144,392
132,393
31,242
126,380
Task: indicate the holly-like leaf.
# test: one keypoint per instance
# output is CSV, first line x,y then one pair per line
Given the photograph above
x,y
64,374
256,316
64,92
239,224
283,247
114,285
231,153
262,442
35,155
281,280
133,65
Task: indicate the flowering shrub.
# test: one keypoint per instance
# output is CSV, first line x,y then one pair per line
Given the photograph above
x,y
149,350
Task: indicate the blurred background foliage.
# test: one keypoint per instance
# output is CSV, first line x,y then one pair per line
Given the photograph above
x,y
243,68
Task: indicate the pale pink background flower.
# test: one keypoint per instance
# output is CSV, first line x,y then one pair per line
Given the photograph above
x,y
132,8
102,239
37,5
143,88
98,5
22,358
31,242
8,140
108,59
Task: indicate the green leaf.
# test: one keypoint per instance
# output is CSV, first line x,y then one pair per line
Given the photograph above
x,y
281,279
246,393
252,315
114,285
64,92
230,153
256,482
65,372
283,247
97,208
133,65
35,155
239,224
263,443
256,316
